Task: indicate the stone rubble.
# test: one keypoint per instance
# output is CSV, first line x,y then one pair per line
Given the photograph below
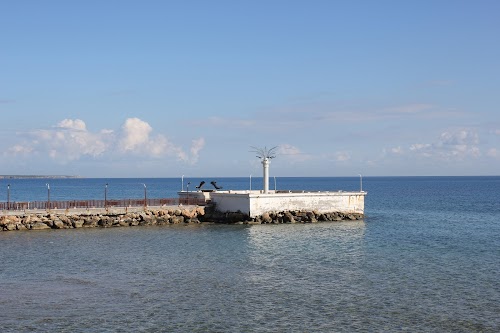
x,y
160,217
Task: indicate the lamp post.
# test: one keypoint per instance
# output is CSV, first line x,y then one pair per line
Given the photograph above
x,y
360,183
250,183
106,196
48,196
188,192
8,196
145,196
265,155
274,184
182,183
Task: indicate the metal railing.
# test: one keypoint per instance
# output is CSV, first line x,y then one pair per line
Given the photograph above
x,y
87,204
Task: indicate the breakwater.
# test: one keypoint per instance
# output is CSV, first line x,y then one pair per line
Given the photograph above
x,y
65,219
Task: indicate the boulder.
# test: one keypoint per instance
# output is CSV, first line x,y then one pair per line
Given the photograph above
x,y
78,224
20,226
265,218
58,224
188,213
9,226
39,226
311,217
177,219
288,217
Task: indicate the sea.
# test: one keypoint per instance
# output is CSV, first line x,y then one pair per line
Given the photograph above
x,y
426,258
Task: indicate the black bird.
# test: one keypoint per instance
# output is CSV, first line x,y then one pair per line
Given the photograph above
x,y
214,184
201,185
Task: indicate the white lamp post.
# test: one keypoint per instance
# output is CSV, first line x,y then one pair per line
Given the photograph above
x,y
8,196
265,155
48,196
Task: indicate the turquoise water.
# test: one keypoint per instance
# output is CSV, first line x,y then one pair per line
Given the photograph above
x,y
425,259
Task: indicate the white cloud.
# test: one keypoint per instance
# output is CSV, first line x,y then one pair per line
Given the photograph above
x,y
420,146
342,156
67,141
287,149
493,152
70,140
196,146
397,150
137,138
451,145
20,149
292,153
135,135
460,137
76,124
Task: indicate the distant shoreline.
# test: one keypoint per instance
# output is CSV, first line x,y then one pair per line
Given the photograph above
x,y
37,177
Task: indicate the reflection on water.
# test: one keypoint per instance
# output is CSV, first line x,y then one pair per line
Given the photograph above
x,y
284,251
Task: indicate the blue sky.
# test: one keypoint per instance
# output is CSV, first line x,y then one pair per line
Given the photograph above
x,y
170,88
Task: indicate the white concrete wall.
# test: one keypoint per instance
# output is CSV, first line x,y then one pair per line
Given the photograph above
x,y
255,203
231,202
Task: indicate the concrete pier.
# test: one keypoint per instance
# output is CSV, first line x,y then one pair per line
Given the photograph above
x,y
257,203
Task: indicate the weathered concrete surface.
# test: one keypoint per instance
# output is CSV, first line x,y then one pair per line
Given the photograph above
x,y
254,203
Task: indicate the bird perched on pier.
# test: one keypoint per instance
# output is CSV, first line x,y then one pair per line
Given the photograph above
x,y
214,184
201,185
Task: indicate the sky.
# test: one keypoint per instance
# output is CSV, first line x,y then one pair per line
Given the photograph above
x,y
168,88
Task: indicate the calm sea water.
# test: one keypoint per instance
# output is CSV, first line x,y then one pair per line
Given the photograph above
x,y
425,259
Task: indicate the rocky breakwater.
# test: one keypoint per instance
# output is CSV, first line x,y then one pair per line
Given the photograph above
x,y
279,217
100,220
68,220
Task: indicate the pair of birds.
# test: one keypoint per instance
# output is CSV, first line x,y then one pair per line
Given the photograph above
x,y
214,184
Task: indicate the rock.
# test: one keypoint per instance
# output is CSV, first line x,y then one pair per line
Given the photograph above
x,y
88,222
200,210
26,219
187,213
64,219
78,224
265,218
123,223
311,217
58,224
20,226
288,218
9,226
39,226
177,219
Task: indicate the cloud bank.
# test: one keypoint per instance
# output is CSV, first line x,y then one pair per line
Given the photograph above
x,y
70,140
